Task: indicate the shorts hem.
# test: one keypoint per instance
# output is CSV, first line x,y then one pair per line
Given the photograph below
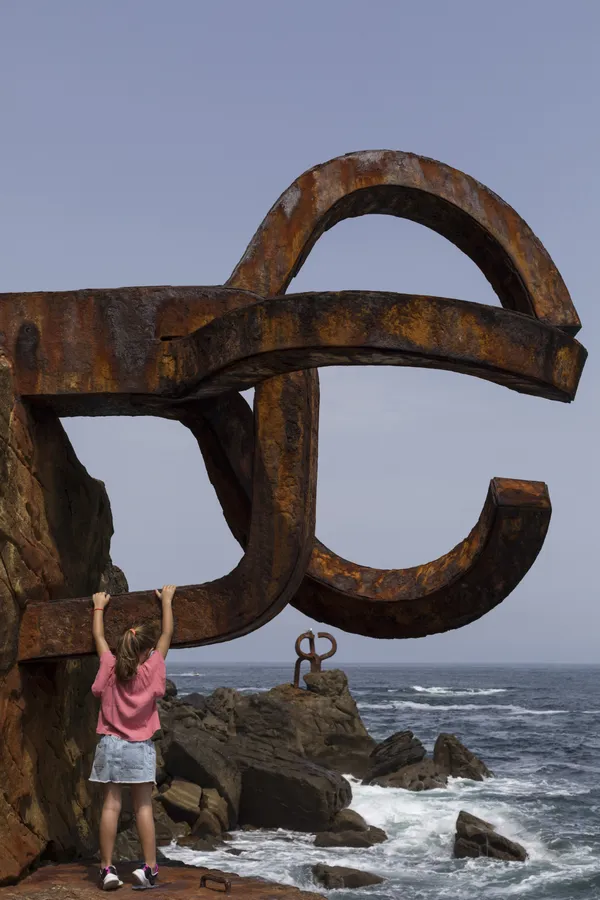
x,y
129,781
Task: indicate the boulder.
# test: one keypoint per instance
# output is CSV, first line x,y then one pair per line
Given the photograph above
x,y
204,844
182,801
211,801
455,759
333,877
358,839
421,776
474,838
282,790
399,750
171,689
321,723
127,846
348,820
166,829
198,756
207,825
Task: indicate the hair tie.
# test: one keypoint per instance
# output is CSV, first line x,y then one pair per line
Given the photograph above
x,y
132,630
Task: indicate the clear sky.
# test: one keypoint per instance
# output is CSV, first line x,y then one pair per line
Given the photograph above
x,y
142,142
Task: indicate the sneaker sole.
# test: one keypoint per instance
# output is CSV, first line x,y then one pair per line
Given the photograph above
x,y
112,886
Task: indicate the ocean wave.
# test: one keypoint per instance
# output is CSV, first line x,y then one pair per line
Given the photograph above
x,y
465,707
458,692
176,675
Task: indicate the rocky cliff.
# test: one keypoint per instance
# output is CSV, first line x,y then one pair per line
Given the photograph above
x,y
55,530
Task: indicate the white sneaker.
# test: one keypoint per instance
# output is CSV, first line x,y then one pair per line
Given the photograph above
x,y
144,878
109,880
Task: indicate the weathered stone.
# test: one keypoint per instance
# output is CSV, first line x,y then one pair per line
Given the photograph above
x,y
167,829
128,847
333,877
321,723
171,689
421,776
198,756
453,758
212,802
201,842
474,838
207,825
399,750
55,529
358,839
79,882
349,820
282,790
182,801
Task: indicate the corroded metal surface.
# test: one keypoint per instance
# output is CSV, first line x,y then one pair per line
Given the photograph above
x,y
183,353
313,658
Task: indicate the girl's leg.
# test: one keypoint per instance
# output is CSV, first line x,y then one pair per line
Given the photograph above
x,y
109,821
141,795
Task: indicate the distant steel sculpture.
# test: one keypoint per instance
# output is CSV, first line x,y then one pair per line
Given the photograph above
x,y
315,659
183,353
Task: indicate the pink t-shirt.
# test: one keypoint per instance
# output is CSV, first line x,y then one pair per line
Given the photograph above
x,y
128,709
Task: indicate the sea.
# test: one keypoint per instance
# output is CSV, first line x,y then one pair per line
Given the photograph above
x,y
537,729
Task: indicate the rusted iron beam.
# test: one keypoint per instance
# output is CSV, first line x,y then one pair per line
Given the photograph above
x,y
279,542
242,348
395,183
447,593
183,352
259,339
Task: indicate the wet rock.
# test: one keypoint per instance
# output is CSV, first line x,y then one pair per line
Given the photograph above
x,y
453,758
206,844
358,839
349,820
421,776
335,877
282,790
182,801
399,750
474,838
207,825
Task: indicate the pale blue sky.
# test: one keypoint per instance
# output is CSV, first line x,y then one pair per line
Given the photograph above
x,y
143,142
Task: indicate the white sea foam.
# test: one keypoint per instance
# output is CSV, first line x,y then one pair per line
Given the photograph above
x,y
421,831
458,692
509,708
186,674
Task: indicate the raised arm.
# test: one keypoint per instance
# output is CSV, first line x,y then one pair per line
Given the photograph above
x,y
100,602
166,598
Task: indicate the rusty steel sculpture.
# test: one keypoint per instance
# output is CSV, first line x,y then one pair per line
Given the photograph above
x,y
315,659
184,353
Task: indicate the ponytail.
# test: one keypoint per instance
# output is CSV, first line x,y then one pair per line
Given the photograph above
x,y
133,643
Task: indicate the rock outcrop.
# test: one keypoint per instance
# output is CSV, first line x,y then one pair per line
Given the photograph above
x,y
79,882
401,762
55,530
452,757
475,837
334,877
356,839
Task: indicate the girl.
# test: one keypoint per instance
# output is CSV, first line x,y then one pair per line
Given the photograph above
x,y
129,686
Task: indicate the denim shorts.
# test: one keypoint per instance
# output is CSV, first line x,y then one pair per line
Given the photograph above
x,y
124,762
